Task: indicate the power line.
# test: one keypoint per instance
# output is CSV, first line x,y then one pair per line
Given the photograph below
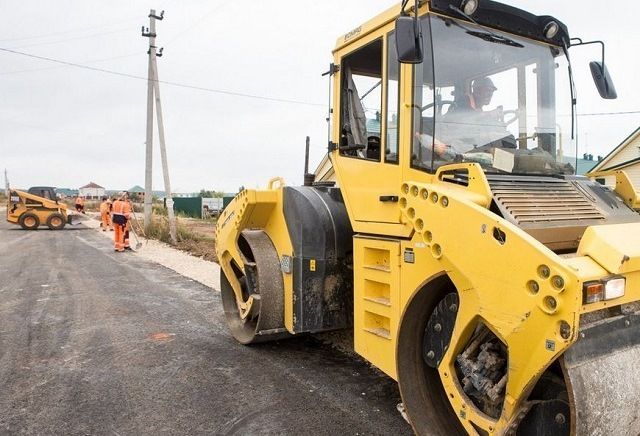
x,y
79,29
609,113
222,91
180,85
90,61
74,38
198,22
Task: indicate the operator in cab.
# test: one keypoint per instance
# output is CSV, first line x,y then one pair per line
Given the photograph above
x,y
482,90
470,126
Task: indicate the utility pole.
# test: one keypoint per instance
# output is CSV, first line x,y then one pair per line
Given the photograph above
x,y
153,90
7,191
163,155
148,168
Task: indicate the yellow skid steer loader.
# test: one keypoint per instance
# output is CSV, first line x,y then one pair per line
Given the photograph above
x,y
37,207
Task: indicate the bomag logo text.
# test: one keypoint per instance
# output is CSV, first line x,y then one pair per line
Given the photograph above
x,y
353,33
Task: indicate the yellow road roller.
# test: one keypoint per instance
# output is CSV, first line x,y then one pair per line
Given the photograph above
x,y
37,207
500,289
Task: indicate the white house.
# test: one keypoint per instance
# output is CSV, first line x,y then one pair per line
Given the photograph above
x,y
325,172
91,191
625,156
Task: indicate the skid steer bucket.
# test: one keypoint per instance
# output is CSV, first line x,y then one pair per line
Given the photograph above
x,y
603,377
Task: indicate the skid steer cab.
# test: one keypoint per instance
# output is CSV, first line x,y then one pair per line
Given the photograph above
x,y
500,289
37,207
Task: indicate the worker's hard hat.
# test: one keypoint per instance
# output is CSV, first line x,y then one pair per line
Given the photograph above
x,y
483,83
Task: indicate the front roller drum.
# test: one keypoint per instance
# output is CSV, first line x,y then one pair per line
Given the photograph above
x,y
602,372
262,286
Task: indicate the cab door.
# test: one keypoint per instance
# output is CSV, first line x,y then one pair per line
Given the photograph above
x,y
367,162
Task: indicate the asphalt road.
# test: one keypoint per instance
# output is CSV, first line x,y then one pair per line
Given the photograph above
x,y
97,342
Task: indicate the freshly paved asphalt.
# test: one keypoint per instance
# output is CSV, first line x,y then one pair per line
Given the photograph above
x,y
97,342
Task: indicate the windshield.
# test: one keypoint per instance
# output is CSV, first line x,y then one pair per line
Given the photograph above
x,y
491,98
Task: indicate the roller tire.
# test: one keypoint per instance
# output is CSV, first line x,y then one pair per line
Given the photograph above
x,y
29,221
56,221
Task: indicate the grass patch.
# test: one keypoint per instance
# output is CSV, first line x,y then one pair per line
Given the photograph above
x,y
188,240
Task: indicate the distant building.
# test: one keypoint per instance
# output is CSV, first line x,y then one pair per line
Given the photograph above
x,y
626,156
585,163
91,191
66,192
325,172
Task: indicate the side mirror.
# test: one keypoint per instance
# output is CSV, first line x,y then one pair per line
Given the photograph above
x,y
602,80
409,40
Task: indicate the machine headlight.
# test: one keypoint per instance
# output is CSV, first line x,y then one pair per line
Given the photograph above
x,y
469,6
614,287
605,289
550,29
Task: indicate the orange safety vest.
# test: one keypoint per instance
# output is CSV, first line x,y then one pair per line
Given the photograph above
x,y
121,207
104,207
80,201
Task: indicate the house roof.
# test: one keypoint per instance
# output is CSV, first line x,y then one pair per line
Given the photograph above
x,y
92,185
136,189
603,163
584,165
622,164
66,191
373,126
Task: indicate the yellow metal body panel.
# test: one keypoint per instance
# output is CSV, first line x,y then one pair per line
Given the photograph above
x,y
376,300
616,247
42,210
454,235
624,187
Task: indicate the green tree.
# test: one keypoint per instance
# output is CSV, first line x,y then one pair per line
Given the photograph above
x,y
210,194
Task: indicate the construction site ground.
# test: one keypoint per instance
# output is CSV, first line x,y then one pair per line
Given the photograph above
x,y
98,342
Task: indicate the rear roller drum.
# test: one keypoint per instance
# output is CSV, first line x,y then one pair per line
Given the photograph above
x,y
256,313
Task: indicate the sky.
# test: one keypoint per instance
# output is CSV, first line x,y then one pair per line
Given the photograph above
x,y
65,126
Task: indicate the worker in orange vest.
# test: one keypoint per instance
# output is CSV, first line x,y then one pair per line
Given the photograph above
x,y
121,213
105,214
80,204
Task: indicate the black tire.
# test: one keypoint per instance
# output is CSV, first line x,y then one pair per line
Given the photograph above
x,y
29,221
423,395
56,221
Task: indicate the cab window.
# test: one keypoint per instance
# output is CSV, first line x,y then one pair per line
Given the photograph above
x,y
393,100
361,103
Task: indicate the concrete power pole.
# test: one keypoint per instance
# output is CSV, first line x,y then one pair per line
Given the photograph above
x,y
7,190
163,155
153,89
148,167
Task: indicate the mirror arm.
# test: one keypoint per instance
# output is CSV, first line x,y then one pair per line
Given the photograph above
x,y
404,5
579,41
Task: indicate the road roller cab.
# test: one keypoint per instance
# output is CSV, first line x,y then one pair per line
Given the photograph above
x,y
473,265
37,207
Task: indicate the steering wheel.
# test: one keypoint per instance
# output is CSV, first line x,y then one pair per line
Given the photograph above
x,y
441,103
515,115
